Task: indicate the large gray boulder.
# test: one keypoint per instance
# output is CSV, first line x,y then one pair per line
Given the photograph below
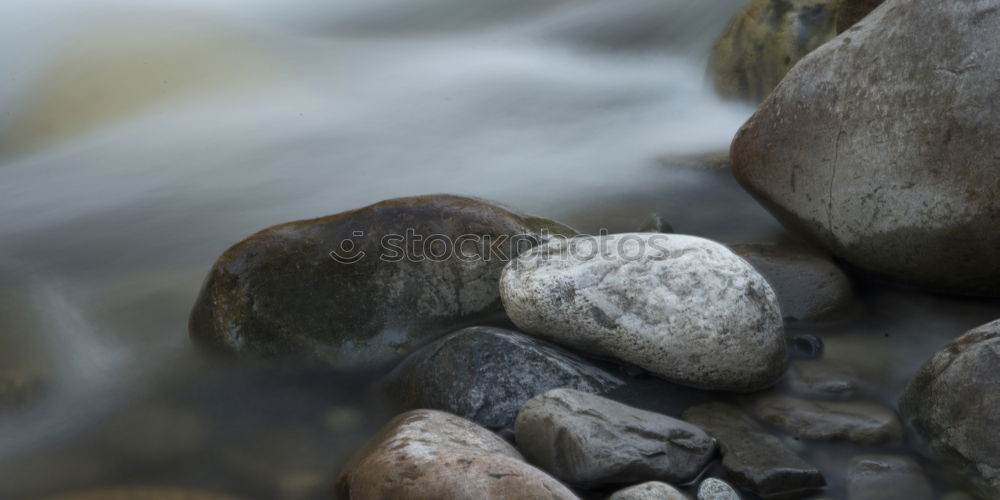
x,y
590,441
684,308
486,375
954,401
881,145
348,291
432,454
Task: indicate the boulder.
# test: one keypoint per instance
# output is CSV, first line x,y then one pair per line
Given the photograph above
x,y
650,490
590,441
684,308
764,41
364,287
432,454
751,457
953,401
881,146
887,477
810,287
861,423
486,375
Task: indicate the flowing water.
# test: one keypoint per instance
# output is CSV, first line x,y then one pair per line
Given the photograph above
x,y
137,143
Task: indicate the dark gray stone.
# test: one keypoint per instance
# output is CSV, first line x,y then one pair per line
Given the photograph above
x,y
279,294
752,458
486,374
590,441
881,145
887,477
862,423
810,286
954,402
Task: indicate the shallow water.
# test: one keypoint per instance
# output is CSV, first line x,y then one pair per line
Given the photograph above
x,y
137,144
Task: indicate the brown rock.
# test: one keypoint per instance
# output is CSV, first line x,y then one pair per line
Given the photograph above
x,y
428,454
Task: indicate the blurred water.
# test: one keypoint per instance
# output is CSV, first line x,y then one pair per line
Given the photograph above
x,y
137,143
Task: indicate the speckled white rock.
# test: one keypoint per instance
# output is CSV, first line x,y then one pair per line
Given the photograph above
x,y
716,489
684,308
651,490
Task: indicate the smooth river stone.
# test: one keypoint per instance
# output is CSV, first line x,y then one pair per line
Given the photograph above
x,y
589,441
862,423
752,458
486,375
650,490
435,455
681,307
887,477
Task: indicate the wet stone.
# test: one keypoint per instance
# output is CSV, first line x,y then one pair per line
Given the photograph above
x,y
486,374
861,423
752,458
887,477
591,441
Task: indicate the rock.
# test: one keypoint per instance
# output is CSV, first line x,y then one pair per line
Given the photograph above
x,y
486,375
590,441
850,12
431,454
753,459
953,401
886,477
862,423
881,146
716,489
681,307
809,286
764,41
140,493
821,378
281,293
650,490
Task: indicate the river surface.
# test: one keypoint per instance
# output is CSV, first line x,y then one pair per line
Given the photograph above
x,y
136,144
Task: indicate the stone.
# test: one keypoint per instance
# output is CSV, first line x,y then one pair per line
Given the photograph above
x,y
650,490
887,477
953,401
852,11
282,294
880,146
821,378
809,286
680,307
861,423
486,375
716,489
764,41
432,454
590,441
752,458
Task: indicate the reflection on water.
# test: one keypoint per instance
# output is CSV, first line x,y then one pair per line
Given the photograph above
x,y
136,145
